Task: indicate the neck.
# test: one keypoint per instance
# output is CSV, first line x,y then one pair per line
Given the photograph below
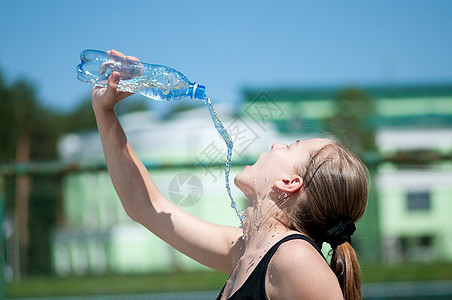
x,y
263,222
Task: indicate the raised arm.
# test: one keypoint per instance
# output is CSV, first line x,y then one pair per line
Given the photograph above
x,y
208,243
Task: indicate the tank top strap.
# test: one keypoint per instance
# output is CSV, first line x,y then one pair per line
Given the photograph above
x,y
268,256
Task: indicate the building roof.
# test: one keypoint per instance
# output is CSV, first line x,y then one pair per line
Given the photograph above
x,y
330,92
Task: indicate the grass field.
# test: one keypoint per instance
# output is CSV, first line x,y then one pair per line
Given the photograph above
x,y
116,284
199,281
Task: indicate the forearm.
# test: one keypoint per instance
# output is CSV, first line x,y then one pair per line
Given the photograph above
x,y
130,178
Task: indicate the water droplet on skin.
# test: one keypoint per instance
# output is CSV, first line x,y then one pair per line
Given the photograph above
x,y
249,267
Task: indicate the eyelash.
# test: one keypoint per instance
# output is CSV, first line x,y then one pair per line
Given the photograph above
x,y
287,146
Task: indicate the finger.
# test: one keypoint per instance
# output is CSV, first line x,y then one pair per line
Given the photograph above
x,y
104,67
117,53
132,58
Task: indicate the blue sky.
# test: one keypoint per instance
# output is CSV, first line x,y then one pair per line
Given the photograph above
x,y
230,45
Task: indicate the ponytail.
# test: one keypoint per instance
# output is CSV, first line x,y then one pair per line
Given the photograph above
x,y
344,262
345,266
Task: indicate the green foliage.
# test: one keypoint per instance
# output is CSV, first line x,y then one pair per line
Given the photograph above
x,y
351,124
80,118
8,128
24,120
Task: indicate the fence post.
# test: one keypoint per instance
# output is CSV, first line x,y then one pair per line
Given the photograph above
x,y
3,292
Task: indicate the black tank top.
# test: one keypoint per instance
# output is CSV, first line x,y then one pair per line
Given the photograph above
x,y
254,286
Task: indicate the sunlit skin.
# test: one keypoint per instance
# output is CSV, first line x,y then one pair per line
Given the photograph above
x,y
278,164
296,271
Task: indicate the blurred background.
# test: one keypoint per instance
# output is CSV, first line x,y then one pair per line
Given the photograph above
x,y
376,75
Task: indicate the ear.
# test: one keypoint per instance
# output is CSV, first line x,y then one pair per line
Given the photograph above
x,y
289,185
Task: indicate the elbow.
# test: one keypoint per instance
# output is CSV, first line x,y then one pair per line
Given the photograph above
x,y
135,215
141,212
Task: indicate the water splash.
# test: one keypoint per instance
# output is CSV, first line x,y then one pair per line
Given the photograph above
x,y
224,134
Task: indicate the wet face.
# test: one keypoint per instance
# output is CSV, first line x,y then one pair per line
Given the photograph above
x,y
281,162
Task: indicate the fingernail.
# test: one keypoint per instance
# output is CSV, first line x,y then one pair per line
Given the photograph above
x,y
115,77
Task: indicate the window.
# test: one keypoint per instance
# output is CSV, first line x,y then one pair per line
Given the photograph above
x,y
418,201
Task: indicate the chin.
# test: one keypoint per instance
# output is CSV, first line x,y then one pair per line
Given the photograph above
x,y
241,180
244,182
237,180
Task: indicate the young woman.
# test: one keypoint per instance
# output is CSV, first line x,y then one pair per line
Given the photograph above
x,y
299,196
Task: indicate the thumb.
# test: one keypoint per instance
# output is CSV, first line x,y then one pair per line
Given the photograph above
x,y
113,81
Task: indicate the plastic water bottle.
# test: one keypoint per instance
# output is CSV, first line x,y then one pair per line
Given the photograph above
x,y
153,81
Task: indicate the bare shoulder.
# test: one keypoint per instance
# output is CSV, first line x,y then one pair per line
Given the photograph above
x,y
298,271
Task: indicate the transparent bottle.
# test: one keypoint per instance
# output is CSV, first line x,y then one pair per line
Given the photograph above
x,y
153,81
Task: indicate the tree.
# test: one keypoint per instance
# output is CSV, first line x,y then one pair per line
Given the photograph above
x,y
8,128
28,131
20,104
25,127
352,122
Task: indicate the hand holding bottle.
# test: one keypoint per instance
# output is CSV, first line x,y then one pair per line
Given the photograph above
x,y
153,81
106,97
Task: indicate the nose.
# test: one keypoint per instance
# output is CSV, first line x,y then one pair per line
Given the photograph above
x,y
277,146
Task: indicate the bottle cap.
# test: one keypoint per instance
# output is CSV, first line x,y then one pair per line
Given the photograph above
x,y
199,91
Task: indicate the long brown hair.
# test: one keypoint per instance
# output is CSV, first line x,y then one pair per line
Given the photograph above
x,y
335,187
